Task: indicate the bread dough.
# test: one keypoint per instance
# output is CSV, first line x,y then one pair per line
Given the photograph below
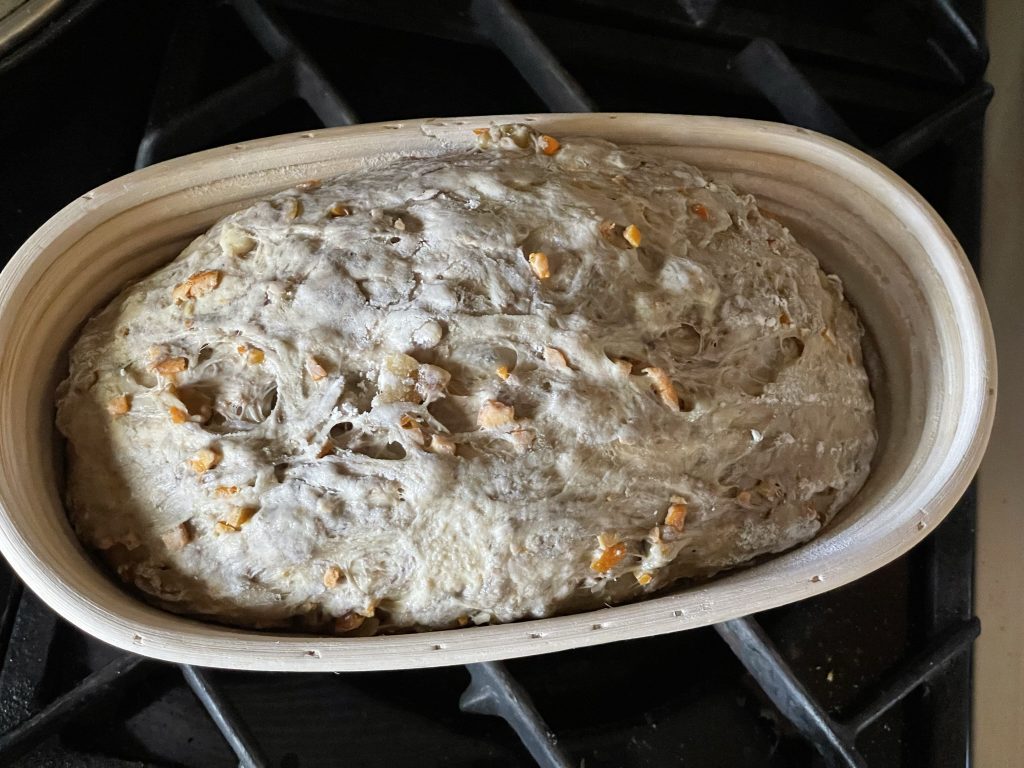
x,y
525,379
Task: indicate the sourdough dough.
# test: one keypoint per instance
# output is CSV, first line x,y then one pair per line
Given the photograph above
x,y
521,380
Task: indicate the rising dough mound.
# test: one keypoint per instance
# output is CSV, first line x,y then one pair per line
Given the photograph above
x,y
526,379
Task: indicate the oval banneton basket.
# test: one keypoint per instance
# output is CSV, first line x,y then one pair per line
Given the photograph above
x,y
901,266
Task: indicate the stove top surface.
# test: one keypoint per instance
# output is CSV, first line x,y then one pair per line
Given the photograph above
x,y
875,673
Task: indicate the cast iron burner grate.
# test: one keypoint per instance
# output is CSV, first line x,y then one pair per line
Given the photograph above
x,y
875,673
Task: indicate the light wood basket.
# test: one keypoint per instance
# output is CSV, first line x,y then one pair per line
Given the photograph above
x,y
900,264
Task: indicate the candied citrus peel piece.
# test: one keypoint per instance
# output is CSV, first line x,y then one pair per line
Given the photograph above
x,y
119,405
609,557
548,144
676,515
203,460
539,265
239,516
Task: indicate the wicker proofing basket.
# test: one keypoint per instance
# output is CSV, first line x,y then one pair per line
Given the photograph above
x,y
900,264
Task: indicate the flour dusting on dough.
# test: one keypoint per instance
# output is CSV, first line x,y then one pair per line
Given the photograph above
x,y
369,404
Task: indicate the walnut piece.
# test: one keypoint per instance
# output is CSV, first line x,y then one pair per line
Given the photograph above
x,y
170,365
398,378
119,405
555,358
332,576
613,234
522,439
413,427
348,622
442,444
664,387
196,285
494,413
178,536
204,282
236,242
625,366
316,371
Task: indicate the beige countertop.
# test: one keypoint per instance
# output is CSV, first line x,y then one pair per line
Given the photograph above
x,y
999,657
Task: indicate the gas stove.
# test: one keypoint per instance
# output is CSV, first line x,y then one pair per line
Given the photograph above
x,y
877,673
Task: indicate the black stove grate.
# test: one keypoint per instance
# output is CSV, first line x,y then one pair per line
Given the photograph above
x,y
930,87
